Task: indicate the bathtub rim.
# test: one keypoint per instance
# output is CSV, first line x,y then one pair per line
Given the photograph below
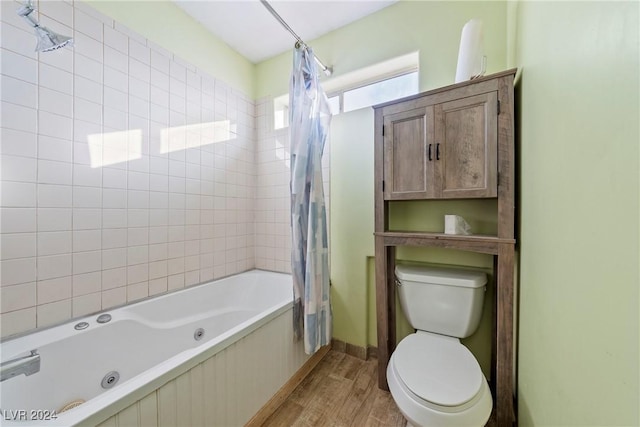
x,y
149,380
93,314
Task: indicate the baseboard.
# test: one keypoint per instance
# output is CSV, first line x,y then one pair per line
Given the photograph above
x,y
281,395
354,350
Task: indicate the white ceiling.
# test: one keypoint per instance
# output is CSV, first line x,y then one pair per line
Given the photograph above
x,y
249,28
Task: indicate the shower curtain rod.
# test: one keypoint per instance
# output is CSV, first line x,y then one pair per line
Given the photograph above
x,y
300,43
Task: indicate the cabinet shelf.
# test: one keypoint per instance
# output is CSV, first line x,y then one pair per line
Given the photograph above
x,y
475,243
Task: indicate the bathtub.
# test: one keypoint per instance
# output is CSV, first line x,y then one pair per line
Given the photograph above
x,y
212,354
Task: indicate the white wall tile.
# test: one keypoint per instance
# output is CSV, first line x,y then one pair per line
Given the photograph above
x,y
54,289
114,258
17,194
139,88
54,196
114,278
87,218
116,40
55,102
55,312
16,37
114,198
55,149
140,236
88,68
57,10
17,297
56,79
54,219
116,99
87,283
85,262
116,60
87,240
87,197
137,291
137,273
87,89
50,172
18,143
87,25
114,218
87,46
159,79
116,79
137,255
17,321
54,266
17,245
86,304
114,238
18,117
19,92
55,125
18,66
54,243
139,51
114,297
114,178
86,176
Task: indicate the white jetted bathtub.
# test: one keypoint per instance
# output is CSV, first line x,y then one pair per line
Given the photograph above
x,y
212,354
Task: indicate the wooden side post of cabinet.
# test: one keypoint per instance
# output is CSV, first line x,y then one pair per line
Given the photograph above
x,y
506,159
504,340
385,307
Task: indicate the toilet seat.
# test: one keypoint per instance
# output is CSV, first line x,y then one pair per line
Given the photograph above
x,y
447,358
438,370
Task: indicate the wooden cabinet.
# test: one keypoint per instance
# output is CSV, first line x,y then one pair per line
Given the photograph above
x,y
442,150
455,142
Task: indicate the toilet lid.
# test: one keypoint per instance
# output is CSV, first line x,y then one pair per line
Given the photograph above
x,y
438,369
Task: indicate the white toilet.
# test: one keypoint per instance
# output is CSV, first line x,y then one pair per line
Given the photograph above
x,y
433,378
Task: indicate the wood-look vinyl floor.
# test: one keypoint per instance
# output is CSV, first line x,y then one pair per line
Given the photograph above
x,y
340,391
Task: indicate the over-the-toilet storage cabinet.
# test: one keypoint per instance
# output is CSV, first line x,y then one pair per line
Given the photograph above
x,y
456,142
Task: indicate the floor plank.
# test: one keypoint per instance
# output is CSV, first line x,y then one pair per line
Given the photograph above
x,y
341,391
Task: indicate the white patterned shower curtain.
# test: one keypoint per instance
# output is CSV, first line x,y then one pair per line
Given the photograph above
x,y
309,126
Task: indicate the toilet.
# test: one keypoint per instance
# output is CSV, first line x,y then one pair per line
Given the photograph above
x,y
433,378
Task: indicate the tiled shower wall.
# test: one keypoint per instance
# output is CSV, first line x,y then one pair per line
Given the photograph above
x,y
273,199
126,172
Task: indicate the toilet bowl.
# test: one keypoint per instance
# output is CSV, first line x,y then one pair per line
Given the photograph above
x,y
433,378
436,381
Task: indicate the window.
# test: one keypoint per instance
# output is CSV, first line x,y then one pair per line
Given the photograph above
x,y
375,84
377,92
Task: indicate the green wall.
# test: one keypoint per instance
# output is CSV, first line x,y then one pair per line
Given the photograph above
x,y
165,24
433,29
579,188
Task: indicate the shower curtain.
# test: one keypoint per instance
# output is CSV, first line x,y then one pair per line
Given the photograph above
x,y
309,125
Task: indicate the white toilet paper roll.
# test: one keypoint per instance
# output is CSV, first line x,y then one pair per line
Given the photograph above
x,y
471,53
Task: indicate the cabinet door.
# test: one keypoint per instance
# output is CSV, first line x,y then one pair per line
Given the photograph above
x,y
467,146
409,155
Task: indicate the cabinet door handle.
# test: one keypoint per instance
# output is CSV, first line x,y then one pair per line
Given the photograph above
x,y
438,151
430,152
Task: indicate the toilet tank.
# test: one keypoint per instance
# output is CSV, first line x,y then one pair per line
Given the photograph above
x,y
446,301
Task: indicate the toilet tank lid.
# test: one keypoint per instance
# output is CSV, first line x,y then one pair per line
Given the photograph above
x,y
441,276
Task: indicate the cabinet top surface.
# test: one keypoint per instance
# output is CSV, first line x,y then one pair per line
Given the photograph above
x,y
449,87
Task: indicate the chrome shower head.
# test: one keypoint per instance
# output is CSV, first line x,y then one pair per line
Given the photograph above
x,y
47,39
